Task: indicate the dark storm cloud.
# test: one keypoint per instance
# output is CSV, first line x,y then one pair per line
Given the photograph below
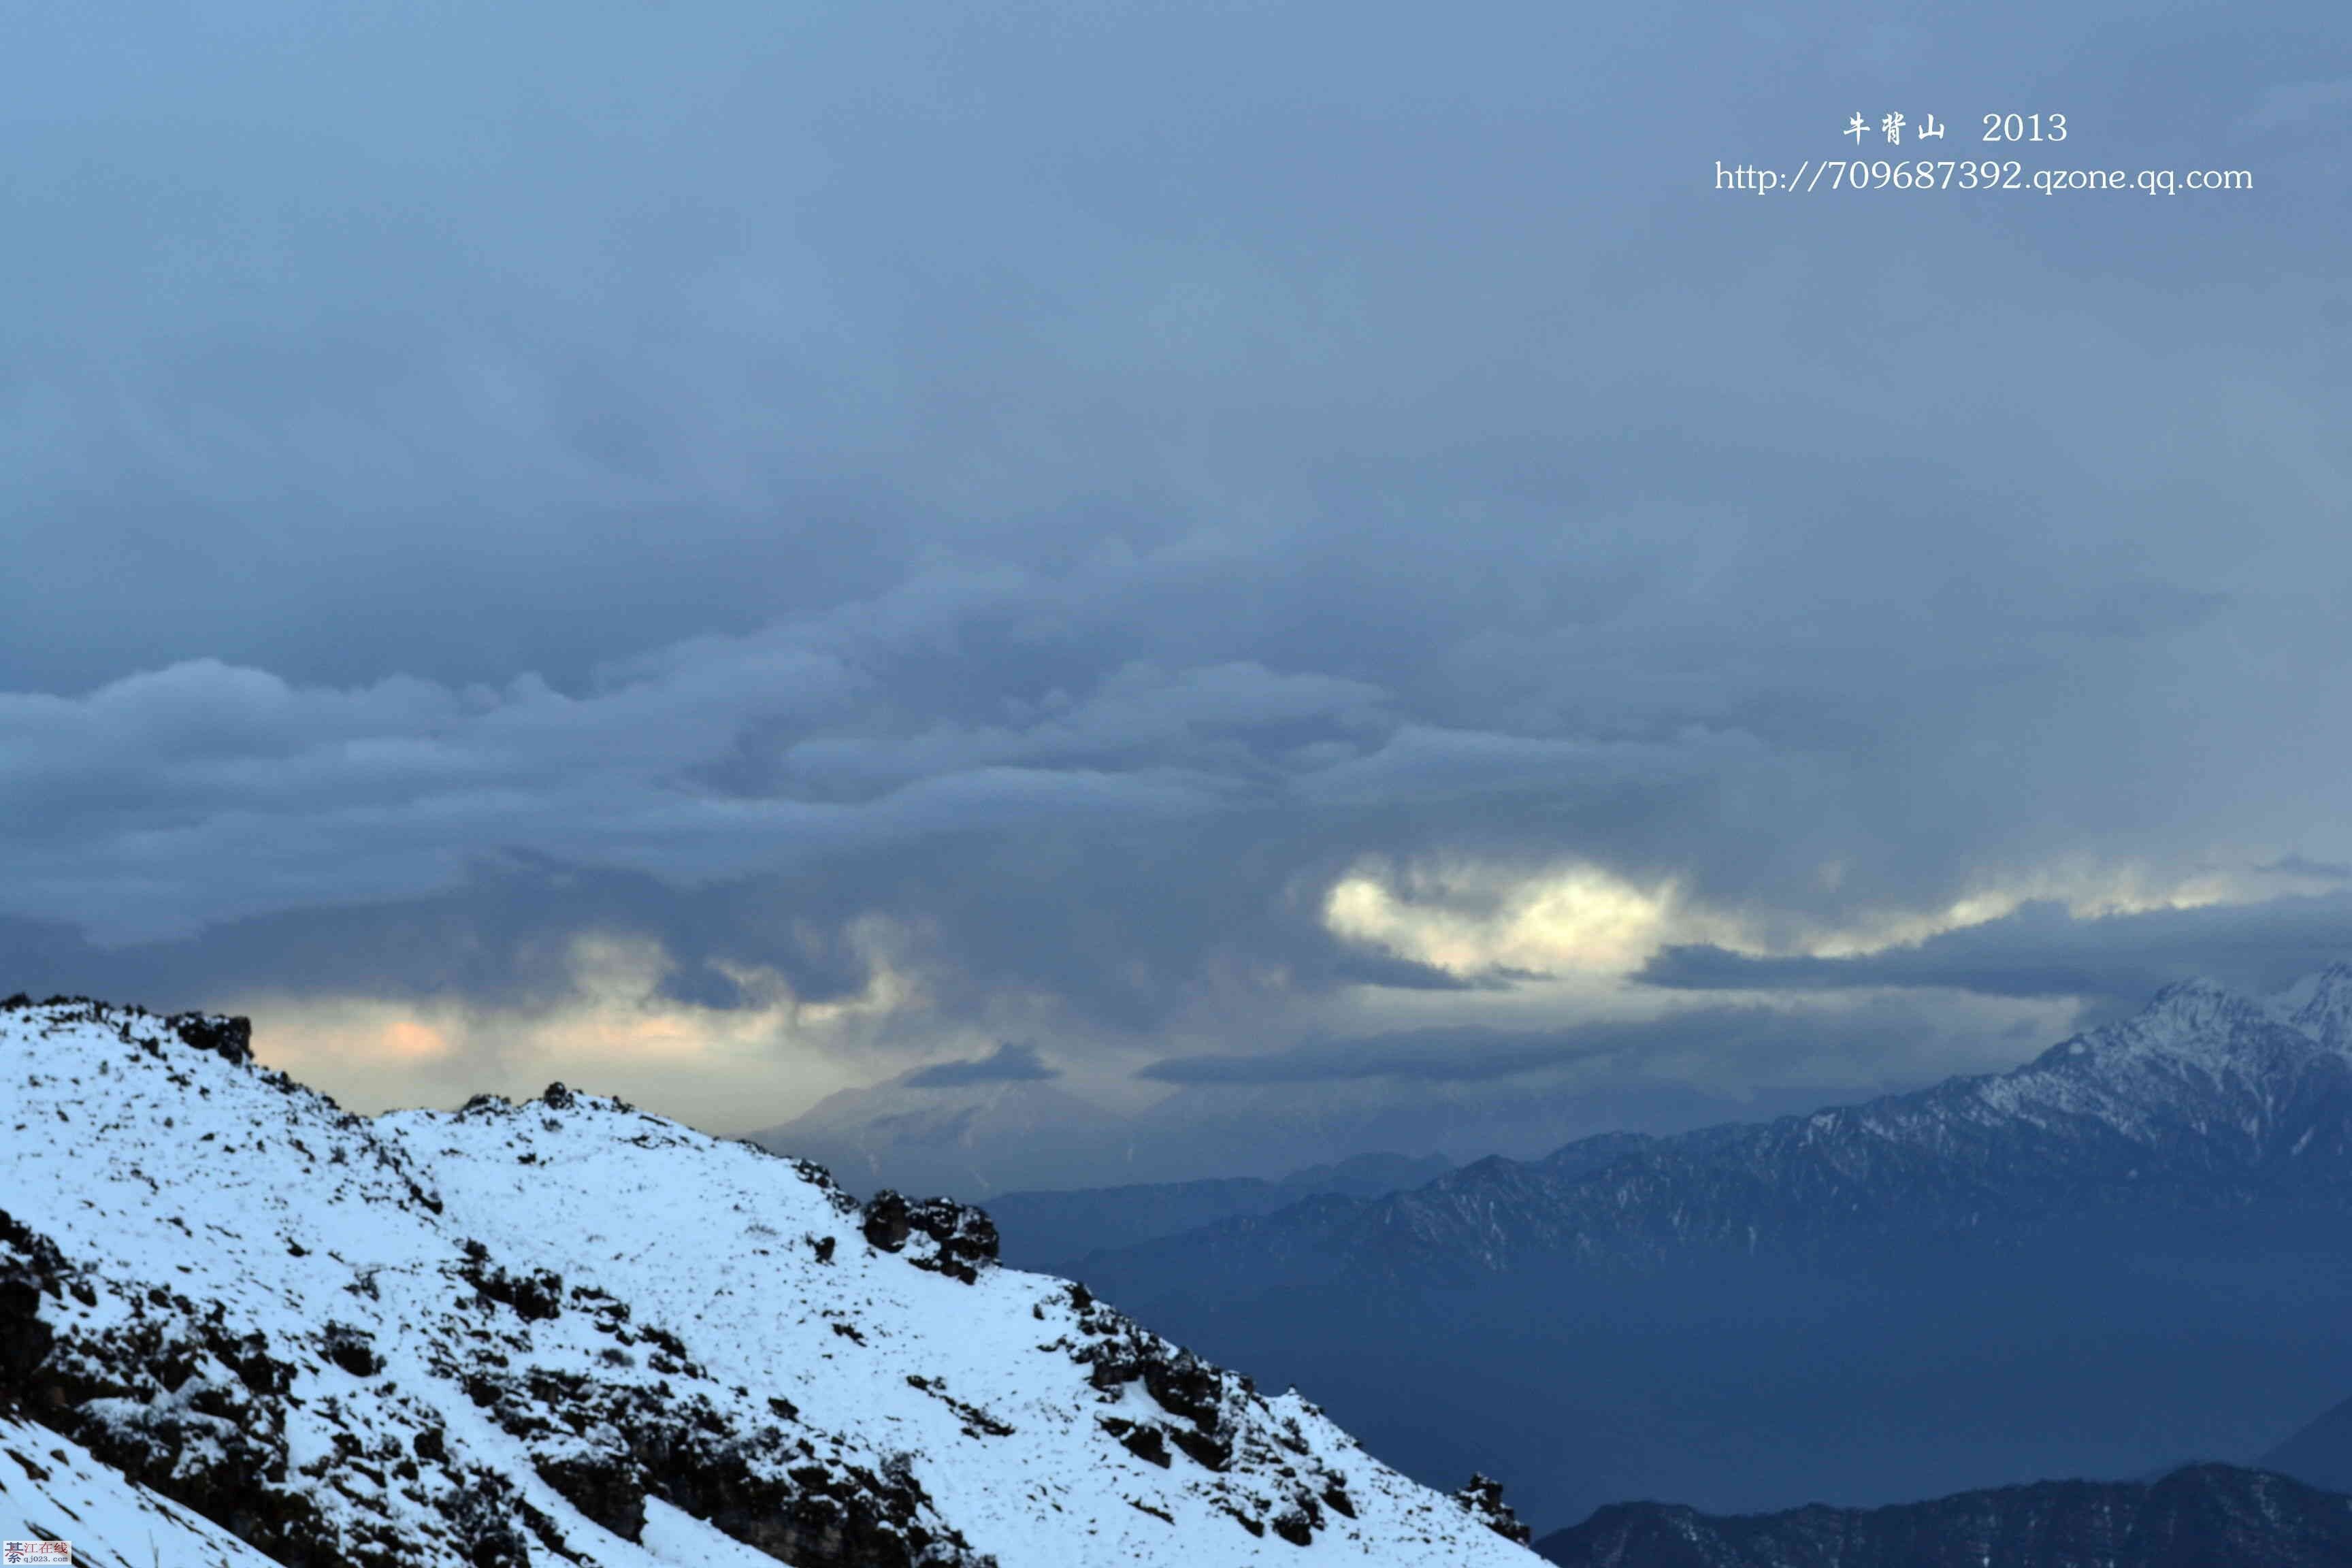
x,y
501,936
1071,483
1118,922
2041,951
1008,1063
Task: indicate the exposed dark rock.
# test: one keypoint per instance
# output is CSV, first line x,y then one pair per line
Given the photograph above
x,y
1146,1441
608,1488
231,1038
484,1520
1181,1382
884,1223
817,1176
962,1239
648,1442
535,1296
1295,1526
1248,1522
1483,1498
1206,1449
977,1423
29,1267
352,1349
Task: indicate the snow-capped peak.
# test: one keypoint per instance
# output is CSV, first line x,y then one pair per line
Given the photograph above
x,y
2321,1006
2204,1022
566,1332
2195,1040
2192,1009
2198,1020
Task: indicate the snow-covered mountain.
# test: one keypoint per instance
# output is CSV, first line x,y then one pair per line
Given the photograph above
x,y
567,1331
2205,1095
2134,1248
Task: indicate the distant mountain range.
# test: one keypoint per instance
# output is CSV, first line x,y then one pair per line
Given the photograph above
x,y
973,1135
1052,1232
2202,1516
2135,1246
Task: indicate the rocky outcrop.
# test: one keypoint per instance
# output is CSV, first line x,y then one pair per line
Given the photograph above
x,y
1483,1498
1198,1407
939,1234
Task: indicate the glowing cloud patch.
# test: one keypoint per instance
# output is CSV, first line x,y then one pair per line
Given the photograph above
x,y
1580,920
408,1039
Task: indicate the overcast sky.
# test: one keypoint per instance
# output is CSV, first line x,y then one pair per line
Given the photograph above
x,y
733,552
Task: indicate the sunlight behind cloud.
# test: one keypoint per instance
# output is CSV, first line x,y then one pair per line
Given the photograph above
x,y
1473,921
2086,891
1580,921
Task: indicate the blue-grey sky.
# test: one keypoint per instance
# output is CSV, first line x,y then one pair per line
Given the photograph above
x,y
740,552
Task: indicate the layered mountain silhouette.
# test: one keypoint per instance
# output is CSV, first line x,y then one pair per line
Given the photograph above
x,y
1006,1123
2202,1516
2132,1248
1052,1231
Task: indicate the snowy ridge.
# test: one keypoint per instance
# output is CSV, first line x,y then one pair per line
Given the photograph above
x,y
2194,1046
2321,1007
567,1331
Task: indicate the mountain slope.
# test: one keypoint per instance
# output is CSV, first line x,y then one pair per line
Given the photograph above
x,y
2131,1247
567,1331
52,1488
2201,1516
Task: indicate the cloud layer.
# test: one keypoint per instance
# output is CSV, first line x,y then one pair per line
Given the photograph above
x,y
1179,537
